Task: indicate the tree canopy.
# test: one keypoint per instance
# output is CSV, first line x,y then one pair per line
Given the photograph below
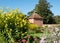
x,y
43,9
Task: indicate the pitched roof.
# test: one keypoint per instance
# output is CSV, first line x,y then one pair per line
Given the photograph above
x,y
35,15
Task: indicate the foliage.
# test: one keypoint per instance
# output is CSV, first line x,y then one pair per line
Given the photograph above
x,y
13,26
33,28
57,19
32,39
43,9
52,36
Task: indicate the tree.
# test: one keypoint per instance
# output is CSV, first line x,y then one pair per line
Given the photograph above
x,y
43,9
57,19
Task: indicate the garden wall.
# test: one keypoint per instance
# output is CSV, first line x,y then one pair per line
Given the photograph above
x,y
51,25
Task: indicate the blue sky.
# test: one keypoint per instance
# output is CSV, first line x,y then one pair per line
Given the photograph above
x,y
27,5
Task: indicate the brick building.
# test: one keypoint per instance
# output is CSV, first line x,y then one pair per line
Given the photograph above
x,y
36,19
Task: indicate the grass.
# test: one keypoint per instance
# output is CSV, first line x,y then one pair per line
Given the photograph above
x,y
37,34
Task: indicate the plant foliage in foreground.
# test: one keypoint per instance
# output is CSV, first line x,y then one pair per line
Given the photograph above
x,y
13,26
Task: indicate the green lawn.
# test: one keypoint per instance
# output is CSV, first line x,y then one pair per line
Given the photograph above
x,y
37,34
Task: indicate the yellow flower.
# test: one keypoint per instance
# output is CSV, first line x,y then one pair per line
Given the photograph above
x,y
4,21
23,20
15,24
17,17
6,30
22,34
6,18
10,29
25,32
6,25
21,25
10,14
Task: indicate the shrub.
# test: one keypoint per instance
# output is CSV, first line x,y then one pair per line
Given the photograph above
x,y
13,25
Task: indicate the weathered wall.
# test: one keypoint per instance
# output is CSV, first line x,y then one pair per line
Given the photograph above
x,y
31,20
38,22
